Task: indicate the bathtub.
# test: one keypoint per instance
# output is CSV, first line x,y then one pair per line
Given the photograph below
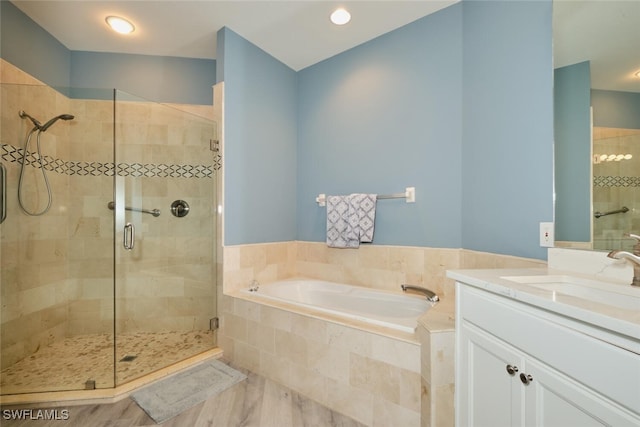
x,y
384,308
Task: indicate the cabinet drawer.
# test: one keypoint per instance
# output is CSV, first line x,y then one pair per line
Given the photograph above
x,y
611,371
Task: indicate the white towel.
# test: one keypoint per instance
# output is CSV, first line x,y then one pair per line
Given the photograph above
x,y
350,220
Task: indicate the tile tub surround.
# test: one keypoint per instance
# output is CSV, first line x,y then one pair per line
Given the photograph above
x,y
373,377
375,266
436,334
249,330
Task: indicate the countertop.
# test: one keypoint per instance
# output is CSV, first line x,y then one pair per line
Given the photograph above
x,y
624,322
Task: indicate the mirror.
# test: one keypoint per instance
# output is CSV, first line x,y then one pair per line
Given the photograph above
x,y
596,48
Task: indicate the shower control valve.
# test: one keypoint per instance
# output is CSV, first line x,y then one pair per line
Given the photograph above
x,y
179,208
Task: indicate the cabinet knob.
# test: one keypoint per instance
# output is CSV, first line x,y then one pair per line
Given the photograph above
x,y
526,379
511,369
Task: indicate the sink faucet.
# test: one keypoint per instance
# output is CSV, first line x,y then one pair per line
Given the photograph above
x,y
431,296
634,257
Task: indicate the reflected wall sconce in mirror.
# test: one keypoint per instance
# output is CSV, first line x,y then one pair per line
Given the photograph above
x,y
599,158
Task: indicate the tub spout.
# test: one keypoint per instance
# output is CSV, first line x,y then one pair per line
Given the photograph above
x,y
431,296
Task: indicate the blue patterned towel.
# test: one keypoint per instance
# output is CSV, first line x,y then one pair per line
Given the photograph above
x,y
362,216
350,220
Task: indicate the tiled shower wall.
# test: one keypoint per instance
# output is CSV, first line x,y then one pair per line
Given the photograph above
x,y
58,269
35,262
616,184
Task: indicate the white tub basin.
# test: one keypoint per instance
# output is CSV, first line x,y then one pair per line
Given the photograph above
x,y
621,296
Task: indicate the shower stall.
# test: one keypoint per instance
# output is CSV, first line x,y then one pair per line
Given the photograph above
x,y
108,258
616,199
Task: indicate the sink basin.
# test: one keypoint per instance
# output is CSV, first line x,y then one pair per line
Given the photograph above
x,y
621,296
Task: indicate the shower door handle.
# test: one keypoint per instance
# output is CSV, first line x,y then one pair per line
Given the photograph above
x,y
3,190
129,236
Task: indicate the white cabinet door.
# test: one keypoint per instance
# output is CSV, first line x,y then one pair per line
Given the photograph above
x,y
564,377
553,400
488,395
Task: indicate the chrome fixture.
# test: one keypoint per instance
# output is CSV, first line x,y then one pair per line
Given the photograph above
x,y
43,127
634,258
55,119
409,195
129,239
623,209
154,212
431,296
37,127
3,190
179,208
35,122
254,286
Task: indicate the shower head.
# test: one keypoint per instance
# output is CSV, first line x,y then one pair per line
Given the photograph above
x,y
47,125
36,123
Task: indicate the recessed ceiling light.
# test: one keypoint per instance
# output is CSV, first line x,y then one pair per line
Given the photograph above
x,y
120,25
340,16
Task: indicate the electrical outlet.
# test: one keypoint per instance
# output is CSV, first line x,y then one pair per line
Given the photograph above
x,y
546,234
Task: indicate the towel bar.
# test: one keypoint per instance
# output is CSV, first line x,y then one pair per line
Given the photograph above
x,y
409,194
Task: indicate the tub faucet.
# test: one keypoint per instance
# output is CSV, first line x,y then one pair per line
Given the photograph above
x,y
633,256
431,296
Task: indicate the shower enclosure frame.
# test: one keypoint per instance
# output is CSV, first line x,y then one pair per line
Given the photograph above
x,y
85,169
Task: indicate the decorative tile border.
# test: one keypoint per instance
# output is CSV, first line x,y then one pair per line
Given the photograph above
x,y
14,155
616,181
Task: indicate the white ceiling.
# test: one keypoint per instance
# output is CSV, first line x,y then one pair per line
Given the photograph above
x,y
605,32
298,33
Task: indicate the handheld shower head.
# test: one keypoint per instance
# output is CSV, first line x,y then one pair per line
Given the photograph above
x,y
47,125
24,115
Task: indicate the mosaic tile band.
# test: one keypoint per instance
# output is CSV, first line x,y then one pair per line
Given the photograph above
x,y
616,181
14,155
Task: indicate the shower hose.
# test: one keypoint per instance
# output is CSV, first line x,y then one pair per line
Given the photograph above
x,y
44,174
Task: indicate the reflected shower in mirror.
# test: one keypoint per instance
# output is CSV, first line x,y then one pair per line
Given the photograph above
x,y
597,122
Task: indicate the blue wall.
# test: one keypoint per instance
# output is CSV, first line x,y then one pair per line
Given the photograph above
x,y
381,117
27,46
457,104
157,78
260,144
507,149
572,111
616,109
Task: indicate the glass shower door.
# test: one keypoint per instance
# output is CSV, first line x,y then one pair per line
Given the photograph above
x,y
165,206
56,265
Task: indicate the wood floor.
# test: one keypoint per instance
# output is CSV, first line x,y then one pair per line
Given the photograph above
x,y
255,402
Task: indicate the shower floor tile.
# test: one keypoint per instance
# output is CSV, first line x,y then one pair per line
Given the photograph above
x,y
69,364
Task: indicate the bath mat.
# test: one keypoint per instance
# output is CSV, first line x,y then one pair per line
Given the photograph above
x,y
171,396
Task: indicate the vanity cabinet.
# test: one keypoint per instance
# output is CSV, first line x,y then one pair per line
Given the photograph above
x,y
518,365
